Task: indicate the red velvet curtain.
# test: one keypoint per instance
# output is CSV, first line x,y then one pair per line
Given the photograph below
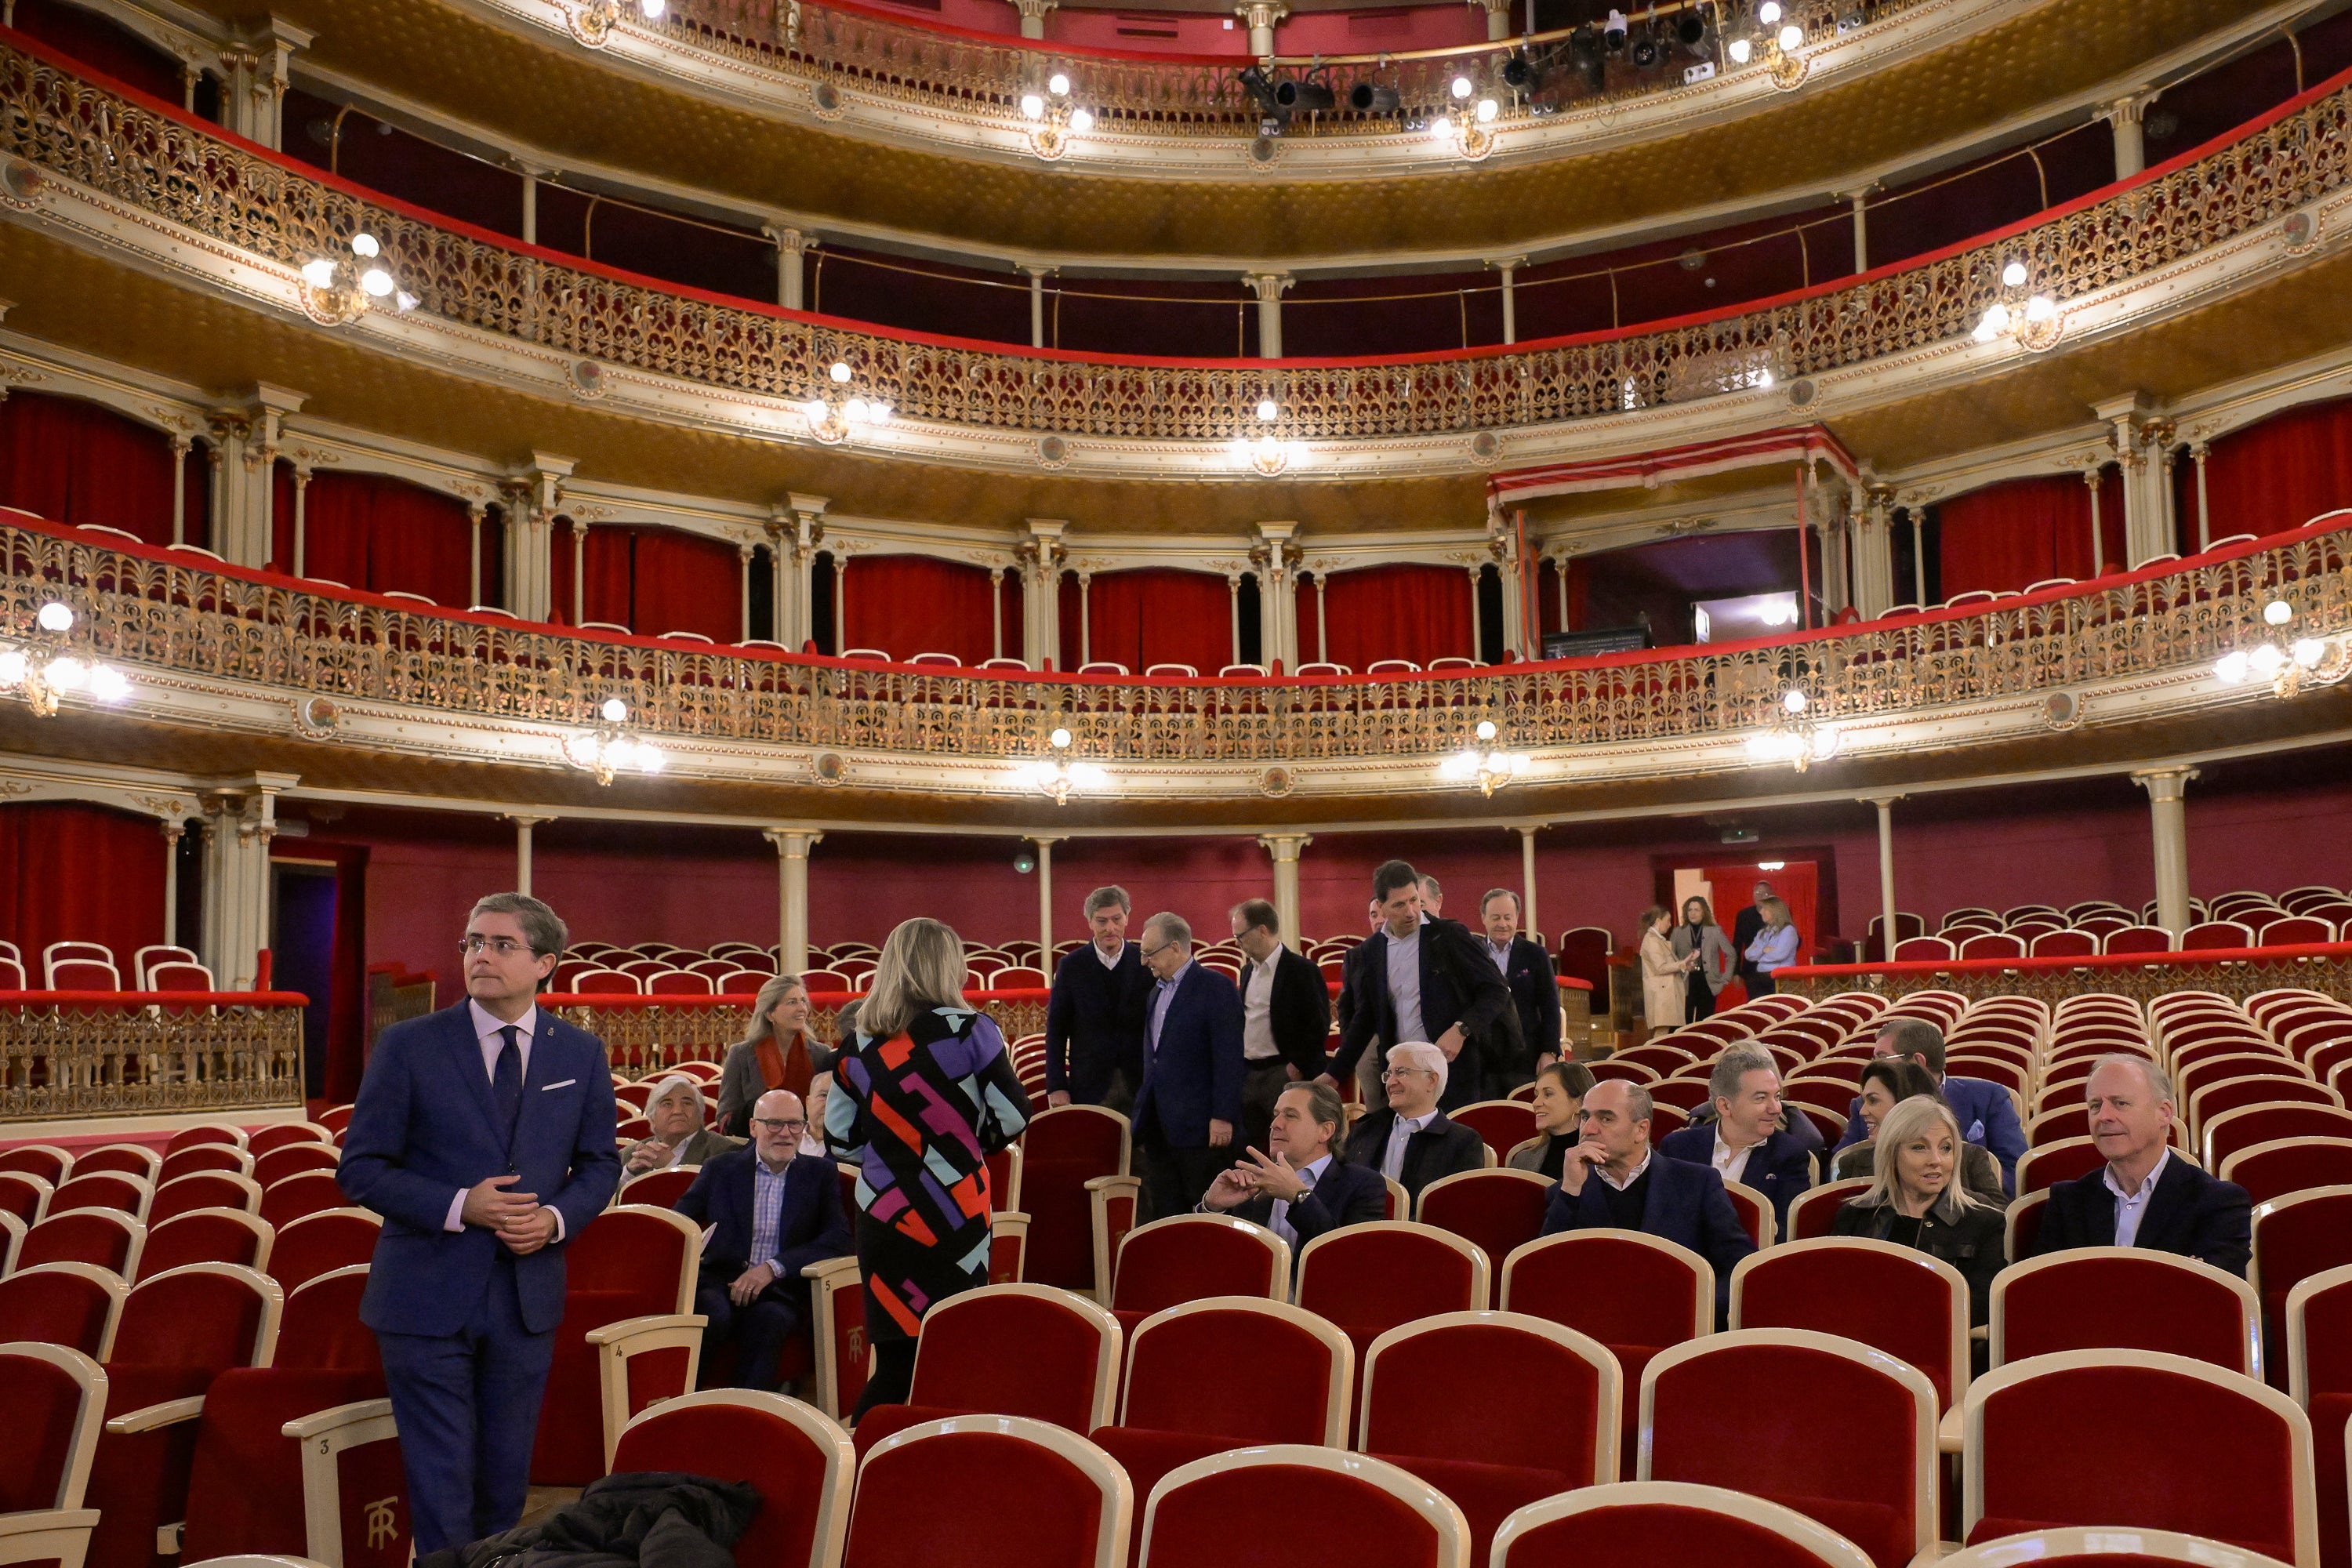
x,y
2277,475
907,604
1797,882
1413,612
1142,618
657,580
76,462
379,534
2010,536
70,872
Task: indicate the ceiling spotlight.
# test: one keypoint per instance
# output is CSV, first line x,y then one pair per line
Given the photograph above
x,y
1519,73
1032,107
1462,86
1058,85
1292,93
1647,50
1364,98
1272,115
1691,32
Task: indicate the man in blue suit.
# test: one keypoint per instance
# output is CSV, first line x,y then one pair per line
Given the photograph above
x,y
775,1211
1612,1181
1746,1142
2142,1196
483,1135
1190,1097
1984,1110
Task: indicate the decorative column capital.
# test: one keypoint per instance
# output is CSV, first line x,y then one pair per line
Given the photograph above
x,y
1038,271
794,241
2164,783
1269,287
1285,846
1262,14
1881,801
1506,265
1033,10
522,820
792,843
2131,109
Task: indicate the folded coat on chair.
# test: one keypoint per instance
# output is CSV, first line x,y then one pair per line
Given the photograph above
x,y
652,1519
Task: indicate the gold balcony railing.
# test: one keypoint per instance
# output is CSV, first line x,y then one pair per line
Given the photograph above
x,y
150,609
181,170
75,1053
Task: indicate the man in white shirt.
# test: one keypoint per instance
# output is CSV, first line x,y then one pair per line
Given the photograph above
x,y
1747,1143
1298,1188
2144,1196
1286,1017
1429,979
1411,1141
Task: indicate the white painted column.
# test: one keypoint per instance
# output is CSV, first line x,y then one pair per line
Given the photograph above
x,y
1277,600
301,517
1507,270
792,244
2091,481
1045,903
530,206
1037,276
173,831
1033,16
1559,582
1085,620
1269,287
996,612
743,578
2167,810
1259,16
1874,552
1322,621
2123,115
1528,877
1475,650
840,601
793,848
1885,805
579,570
1284,848
1041,589
2199,453
181,443
473,510
1860,203
1919,556
238,825
1499,18
522,827
1234,615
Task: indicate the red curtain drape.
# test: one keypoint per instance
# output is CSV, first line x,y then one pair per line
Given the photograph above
x,y
76,462
907,604
2010,536
1797,882
657,580
70,872
2277,475
1142,618
379,534
1413,612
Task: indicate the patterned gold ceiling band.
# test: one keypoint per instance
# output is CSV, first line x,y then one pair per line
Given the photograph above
x,y
138,1059
183,172
2234,977
159,614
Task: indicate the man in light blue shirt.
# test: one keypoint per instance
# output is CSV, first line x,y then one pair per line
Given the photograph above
x,y
1190,1097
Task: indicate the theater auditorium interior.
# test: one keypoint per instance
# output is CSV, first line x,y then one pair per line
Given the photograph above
x,y
1504,630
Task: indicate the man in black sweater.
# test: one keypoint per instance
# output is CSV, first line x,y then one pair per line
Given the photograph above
x,y
1094,1019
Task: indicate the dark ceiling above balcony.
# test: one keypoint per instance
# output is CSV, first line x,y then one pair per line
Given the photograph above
x,y
545,91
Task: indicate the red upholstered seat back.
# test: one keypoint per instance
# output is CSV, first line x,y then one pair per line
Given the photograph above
x,y
1654,1535
54,1309
2113,1302
1499,1210
737,1443
80,1235
199,1238
20,1194
1259,1516
97,1190
631,1256
1163,1266
320,1330
1485,1393
282,1135
199,1157
1504,1124
1073,1132
35,1159
1898,1304
1369,1279
2053,1454
136,1159
2242,1129
274,1165
1010,1354
1828,1435
1252,1377
203,1190
2297,1238
975,1499
2269,1172
314,1244
37,1440
189,1321
289,1198
1652,1300
1063,1150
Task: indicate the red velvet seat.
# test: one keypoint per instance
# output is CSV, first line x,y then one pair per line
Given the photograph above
x,y
1659,1295
1063,1150
334,1238
287,1135
1893,1299
1846,1436
1668,1524
1504,1124
1008,1350
661,1189
2319,1378
206,1235
105,1237
208,1132
1494,1409
1190,1257
2205,1452
198,1157
2232,1131
116,1190
133,1158
55,1403
204,1190
1369,1277
2272,1170
292,1158
1814,1211
46,1161
633,1267
1228,1373
1275,1506
2095,1297
1499,1211
803,1464
988,1492
307,1193
2296,1236
75,1305
25,1196
2065,1160
2104,1549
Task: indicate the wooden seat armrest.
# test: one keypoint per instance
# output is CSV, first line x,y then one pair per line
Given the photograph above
x,y
320,1436
60,1535
340,1424
155,1416
616,1342
830,1269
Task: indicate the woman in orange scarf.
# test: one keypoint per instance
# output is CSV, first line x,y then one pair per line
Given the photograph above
x,y
775,1054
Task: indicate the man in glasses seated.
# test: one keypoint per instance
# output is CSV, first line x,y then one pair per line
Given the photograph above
x,y
774,1211
1411,1141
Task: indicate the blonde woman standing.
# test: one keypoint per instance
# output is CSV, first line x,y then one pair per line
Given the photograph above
x,y
1775,947
1665,977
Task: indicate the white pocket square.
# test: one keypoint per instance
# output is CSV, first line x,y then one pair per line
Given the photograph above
x,y
566,1083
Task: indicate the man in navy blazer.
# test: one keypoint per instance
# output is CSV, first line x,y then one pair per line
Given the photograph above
x,y
2142,1195
1298,1187
774,1211
1613,1180
1528,970
1746,1142
1190,1099
1984,1110
1425,979
483,1134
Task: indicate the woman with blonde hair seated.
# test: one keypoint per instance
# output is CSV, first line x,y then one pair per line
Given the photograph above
x,y
1916,1199
776,1053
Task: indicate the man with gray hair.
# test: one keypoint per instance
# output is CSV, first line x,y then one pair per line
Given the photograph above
x,y
1746,1143
2142,1195
1093,1018
1189,1099
1983,1108
1410,1140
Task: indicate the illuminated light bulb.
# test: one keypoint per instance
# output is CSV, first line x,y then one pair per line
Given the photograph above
x,y
2014,275
1266,410
650,759
1462,86
2266,660
580,750
855,410
107,684
1769,12
1791,37
2231,668
319,274
877,412
363,244
65,674
56,618
1739,50
840,371
1487,110
1031,107
12,667
1059,739
2277,613
1487,731
1442,132
406,301
376,282
813,410
1764,378
613,710
2041,307
1794,702
1269,448
1996,321
1058,85
2309,651
1082,120
653,8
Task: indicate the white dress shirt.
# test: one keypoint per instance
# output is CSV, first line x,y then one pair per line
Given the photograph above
x,y
2132,1208
486,1031
1278,1220
1110,960
1257,1013
1630,1176
1501,955
1392,1157
1730,1163
1404,985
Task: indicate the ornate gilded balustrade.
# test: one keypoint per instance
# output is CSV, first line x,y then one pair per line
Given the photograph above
x,y
2236,973
646,1036
150,609
1176,95
73,1054
183,171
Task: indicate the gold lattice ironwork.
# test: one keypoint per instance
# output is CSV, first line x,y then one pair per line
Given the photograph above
x,y
178,169
89,1058
146,609
2237,978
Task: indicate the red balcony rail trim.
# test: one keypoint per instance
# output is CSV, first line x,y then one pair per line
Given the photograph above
x,y
156,998
2327,952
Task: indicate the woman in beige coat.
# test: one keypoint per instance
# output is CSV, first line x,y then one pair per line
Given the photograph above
x,y
1666,984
